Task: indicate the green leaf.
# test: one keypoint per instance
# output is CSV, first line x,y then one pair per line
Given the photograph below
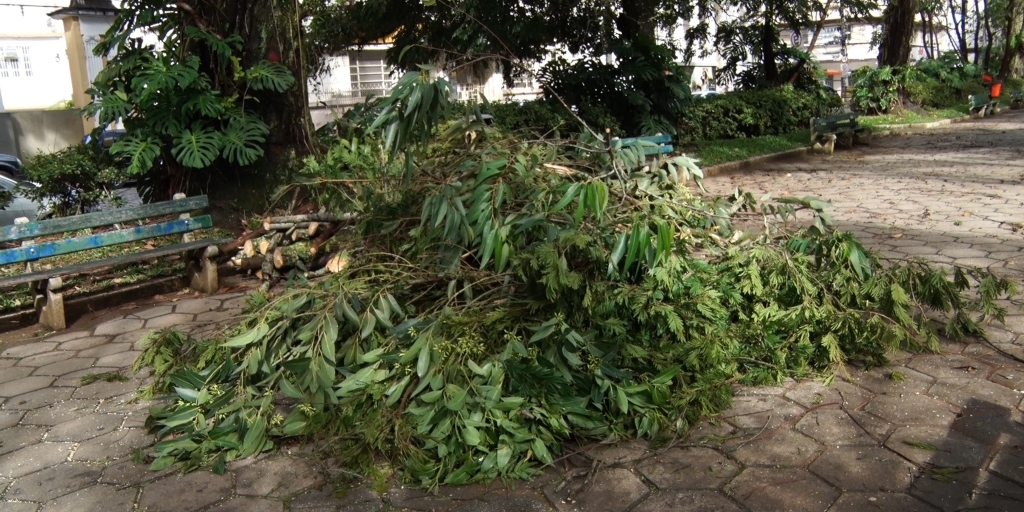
x,y
457,397
620,399
266,75
162,463
142,152
504,456
423,363
242,140
471,436
247,337
540,450
197,147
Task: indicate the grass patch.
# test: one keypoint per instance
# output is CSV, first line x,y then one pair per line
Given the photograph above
x,y
714,152
922,446
102,377
910,117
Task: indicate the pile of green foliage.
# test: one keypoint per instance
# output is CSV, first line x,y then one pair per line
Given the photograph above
x,y
507,296
754,113
73,179
933,83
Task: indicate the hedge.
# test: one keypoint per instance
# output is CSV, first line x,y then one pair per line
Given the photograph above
x,y
755,113
729,116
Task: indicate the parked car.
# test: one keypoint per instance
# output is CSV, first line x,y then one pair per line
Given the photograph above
x,y
106,137
10,166
21,206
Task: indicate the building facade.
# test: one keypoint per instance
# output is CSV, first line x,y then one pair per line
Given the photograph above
x,y
33,58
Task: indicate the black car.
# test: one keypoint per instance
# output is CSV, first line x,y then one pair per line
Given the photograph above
x,y
10,166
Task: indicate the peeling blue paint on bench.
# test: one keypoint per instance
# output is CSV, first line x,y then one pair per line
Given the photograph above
x,y
97,219
71,245
652,145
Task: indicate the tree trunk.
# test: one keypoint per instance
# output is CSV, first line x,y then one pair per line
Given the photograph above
x,y
959,38
988,39
924,35
638,19
897,32
768,39
963,27
1011,64
819,26
270,30
977,34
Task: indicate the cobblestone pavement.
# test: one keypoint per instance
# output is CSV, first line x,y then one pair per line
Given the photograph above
x,y
932,432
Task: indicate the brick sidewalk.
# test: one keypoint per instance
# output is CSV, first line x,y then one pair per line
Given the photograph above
x,y
932,432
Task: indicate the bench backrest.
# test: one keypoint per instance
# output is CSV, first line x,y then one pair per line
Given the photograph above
x,y
27,253
840,121
979,100
653,144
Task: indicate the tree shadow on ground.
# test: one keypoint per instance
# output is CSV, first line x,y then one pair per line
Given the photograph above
x,y
977,464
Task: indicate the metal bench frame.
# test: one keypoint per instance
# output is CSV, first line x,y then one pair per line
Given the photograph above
x,y
982,105
826,130
46,285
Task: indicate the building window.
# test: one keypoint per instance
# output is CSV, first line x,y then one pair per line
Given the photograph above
x,y
14,62
369,72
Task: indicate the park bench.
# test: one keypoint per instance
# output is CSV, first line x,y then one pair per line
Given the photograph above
x,y
46,284
826,130
983,104
1017,100
653,145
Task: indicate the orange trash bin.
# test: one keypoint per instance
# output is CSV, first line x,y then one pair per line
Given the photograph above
x,y
997,88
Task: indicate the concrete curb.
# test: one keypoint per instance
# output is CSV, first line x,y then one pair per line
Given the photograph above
x,y
884,130
757,160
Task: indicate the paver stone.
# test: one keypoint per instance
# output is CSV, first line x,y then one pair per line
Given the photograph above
x,y
54,482
689,468
864,468
96,498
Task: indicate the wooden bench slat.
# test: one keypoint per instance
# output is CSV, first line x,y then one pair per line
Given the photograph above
x,y
89,266
97,219
71,245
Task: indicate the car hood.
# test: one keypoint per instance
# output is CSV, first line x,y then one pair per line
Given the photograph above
x,y
11,159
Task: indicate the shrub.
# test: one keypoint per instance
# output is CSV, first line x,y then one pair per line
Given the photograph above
x,y
644,91
936,83
72,180
754,113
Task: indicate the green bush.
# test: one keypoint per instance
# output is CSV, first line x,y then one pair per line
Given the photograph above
x,y
73,179
935,83
643,92
754,113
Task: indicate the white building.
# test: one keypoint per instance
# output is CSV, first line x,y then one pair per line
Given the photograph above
x,y
34,70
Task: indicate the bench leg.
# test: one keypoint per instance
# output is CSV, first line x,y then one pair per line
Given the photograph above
x,y
848,140
202,273
863,137
49,302
826,145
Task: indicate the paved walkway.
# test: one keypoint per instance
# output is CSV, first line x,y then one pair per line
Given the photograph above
x,y
932,432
